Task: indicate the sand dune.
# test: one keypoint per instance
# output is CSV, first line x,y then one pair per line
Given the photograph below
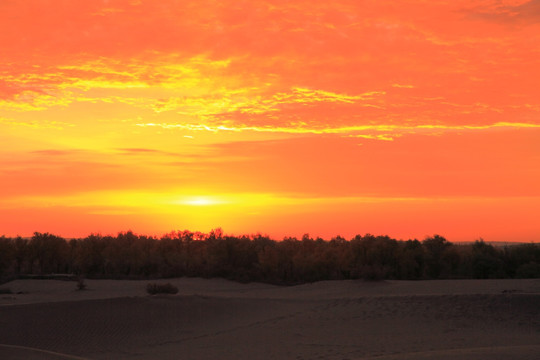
x,y
218,319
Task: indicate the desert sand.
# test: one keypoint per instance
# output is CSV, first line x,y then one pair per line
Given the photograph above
x,y
219,319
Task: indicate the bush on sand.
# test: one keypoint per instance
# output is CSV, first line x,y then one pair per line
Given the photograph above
x,y
167,288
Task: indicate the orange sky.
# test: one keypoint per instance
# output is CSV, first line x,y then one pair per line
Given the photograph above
x,y
405,118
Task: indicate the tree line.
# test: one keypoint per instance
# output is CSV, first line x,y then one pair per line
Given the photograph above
x,y
259,258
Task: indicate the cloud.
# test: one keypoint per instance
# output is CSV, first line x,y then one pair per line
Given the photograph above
x,y
42,87
306,95
514,12
401,86
386,132
139,150
36,124
28,100
54,152
268,66
158,153
238,103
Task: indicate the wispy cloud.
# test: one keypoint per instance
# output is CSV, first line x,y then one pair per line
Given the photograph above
x,y
518,11
28,100
36,124
385,132
306,95
403,86
54,152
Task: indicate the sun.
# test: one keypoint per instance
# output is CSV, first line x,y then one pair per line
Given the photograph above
x,y
200,201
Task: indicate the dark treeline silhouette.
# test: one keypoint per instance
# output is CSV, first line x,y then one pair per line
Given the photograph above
x,y
259,258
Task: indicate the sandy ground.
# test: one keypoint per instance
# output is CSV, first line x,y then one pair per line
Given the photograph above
x,y
218,319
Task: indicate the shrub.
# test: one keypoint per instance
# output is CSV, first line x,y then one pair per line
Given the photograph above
x,y
81,284
167,288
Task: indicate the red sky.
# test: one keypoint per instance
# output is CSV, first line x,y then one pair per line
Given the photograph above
x,y
405,118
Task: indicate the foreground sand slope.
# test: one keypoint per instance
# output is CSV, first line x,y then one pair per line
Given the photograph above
x,y
218,319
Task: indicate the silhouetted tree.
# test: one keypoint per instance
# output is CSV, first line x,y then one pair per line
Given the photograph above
x,y
486,262
436,247
20,254
50,251
6,254
530,270
411,260
259,258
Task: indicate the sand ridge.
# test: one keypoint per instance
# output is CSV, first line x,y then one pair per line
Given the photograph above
x,y
218,319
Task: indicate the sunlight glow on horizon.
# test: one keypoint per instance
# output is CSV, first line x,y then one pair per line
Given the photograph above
x,y
201,201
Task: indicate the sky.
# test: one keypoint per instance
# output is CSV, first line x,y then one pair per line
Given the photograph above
x,y
405,118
